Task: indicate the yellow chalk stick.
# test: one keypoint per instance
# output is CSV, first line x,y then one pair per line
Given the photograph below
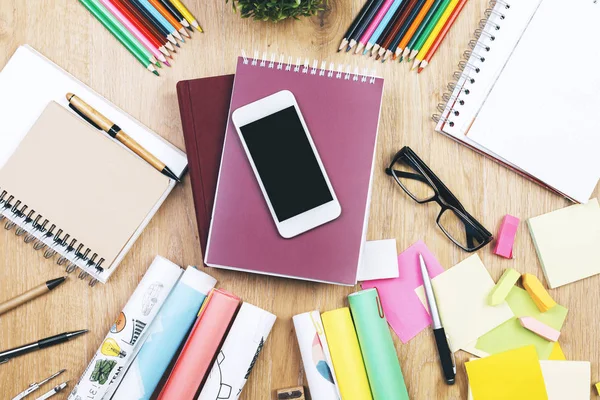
x,y
536,290
503,287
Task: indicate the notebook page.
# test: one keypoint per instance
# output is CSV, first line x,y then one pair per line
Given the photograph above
x,y
541,114
511,21
82,181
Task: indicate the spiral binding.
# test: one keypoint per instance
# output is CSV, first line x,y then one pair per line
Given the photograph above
x,y
473,61
43,234
316,68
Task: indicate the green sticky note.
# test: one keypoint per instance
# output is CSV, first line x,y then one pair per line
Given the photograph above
x,y
511,335
377,346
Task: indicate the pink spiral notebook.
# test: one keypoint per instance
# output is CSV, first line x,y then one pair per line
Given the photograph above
x,y
341,109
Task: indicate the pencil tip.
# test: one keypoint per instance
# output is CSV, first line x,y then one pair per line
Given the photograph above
x,y
177,44
401,58
156,73
420,69
167,63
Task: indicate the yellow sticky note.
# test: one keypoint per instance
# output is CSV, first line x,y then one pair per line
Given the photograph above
x,y
514,375
598,388
557,353
345,355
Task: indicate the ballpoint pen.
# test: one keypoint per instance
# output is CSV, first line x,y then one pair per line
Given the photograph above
x,y
99,121
7,355
446,356
56,389
36,385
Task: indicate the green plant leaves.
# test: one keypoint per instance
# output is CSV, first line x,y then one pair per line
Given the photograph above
x,y
277,10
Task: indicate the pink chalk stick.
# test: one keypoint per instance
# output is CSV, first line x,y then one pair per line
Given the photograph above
x,y
506,236
539,328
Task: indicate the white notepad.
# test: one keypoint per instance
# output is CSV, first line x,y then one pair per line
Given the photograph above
x,y
532,106
29,83
567,242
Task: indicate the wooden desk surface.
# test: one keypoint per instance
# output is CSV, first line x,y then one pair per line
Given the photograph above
x,y
67,34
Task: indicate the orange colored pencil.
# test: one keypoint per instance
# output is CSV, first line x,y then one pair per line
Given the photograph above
x,y
438,41
169,17
413,28
396,29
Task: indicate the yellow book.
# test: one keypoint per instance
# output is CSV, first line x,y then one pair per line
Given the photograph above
x,y
345,355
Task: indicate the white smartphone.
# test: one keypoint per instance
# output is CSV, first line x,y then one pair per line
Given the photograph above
x,y
286,164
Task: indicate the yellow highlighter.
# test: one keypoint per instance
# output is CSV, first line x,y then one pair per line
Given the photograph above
x,y
345,355
186,14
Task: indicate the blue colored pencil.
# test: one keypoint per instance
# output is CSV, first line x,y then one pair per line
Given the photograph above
x,y
382,25
161,20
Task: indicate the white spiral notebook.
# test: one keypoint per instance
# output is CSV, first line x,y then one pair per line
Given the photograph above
x,y
528,93
66,187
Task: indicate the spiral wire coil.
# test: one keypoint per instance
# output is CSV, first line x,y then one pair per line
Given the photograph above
x,y
473,61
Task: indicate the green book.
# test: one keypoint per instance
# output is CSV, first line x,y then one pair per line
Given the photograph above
x,y
377,347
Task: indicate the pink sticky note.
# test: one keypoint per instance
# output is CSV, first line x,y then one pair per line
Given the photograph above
x,y
540,328
506,236
403,309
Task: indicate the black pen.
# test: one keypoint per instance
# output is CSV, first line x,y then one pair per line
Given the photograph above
x,y
5,356
446,356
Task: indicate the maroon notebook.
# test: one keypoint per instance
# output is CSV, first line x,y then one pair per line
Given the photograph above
x,y
341,110
204,107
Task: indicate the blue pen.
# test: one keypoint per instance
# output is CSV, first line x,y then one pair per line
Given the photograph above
x,y
382,25
162,20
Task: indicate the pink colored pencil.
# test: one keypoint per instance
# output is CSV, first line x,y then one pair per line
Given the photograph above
x,y
364,39
134,31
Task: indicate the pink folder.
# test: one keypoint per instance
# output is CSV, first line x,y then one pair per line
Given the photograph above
x,y
341,111
202,345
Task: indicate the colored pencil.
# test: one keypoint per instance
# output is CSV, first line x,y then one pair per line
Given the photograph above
x,y
421,28
150,18
428,29
149,26
411,17
362,42
175,12
384,23
142,28
363,24
440,38
413,27
434,33
123,32
363,11
169,17
397,15
135,31
186,14
100,16
161,20
399,24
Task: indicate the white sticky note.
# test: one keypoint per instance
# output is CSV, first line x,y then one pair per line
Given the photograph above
x,y
379,260
462,298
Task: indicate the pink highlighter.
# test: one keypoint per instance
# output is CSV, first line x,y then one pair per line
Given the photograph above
x,y
202,345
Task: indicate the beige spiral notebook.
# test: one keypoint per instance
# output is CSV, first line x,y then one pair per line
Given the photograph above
x,y
76,190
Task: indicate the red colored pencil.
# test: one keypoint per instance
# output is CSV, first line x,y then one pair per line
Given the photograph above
x,y
149,26
438,41
127,14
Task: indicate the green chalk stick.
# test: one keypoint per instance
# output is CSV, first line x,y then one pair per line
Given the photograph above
x,y
377,346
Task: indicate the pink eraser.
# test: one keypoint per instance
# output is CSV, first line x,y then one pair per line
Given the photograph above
x,y
506,236
539,328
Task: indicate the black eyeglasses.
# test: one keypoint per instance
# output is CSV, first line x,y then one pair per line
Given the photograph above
x,y
423,186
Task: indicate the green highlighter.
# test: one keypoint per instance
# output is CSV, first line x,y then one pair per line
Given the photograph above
x,y
377,346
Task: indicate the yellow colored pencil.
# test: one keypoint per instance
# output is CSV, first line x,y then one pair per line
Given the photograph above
x,y
186,14
434,33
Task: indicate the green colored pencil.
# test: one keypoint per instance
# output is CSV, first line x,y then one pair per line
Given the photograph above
x,y
120,33
427,31
420,29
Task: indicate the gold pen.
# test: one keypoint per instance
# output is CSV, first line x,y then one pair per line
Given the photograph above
x,y
98,120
